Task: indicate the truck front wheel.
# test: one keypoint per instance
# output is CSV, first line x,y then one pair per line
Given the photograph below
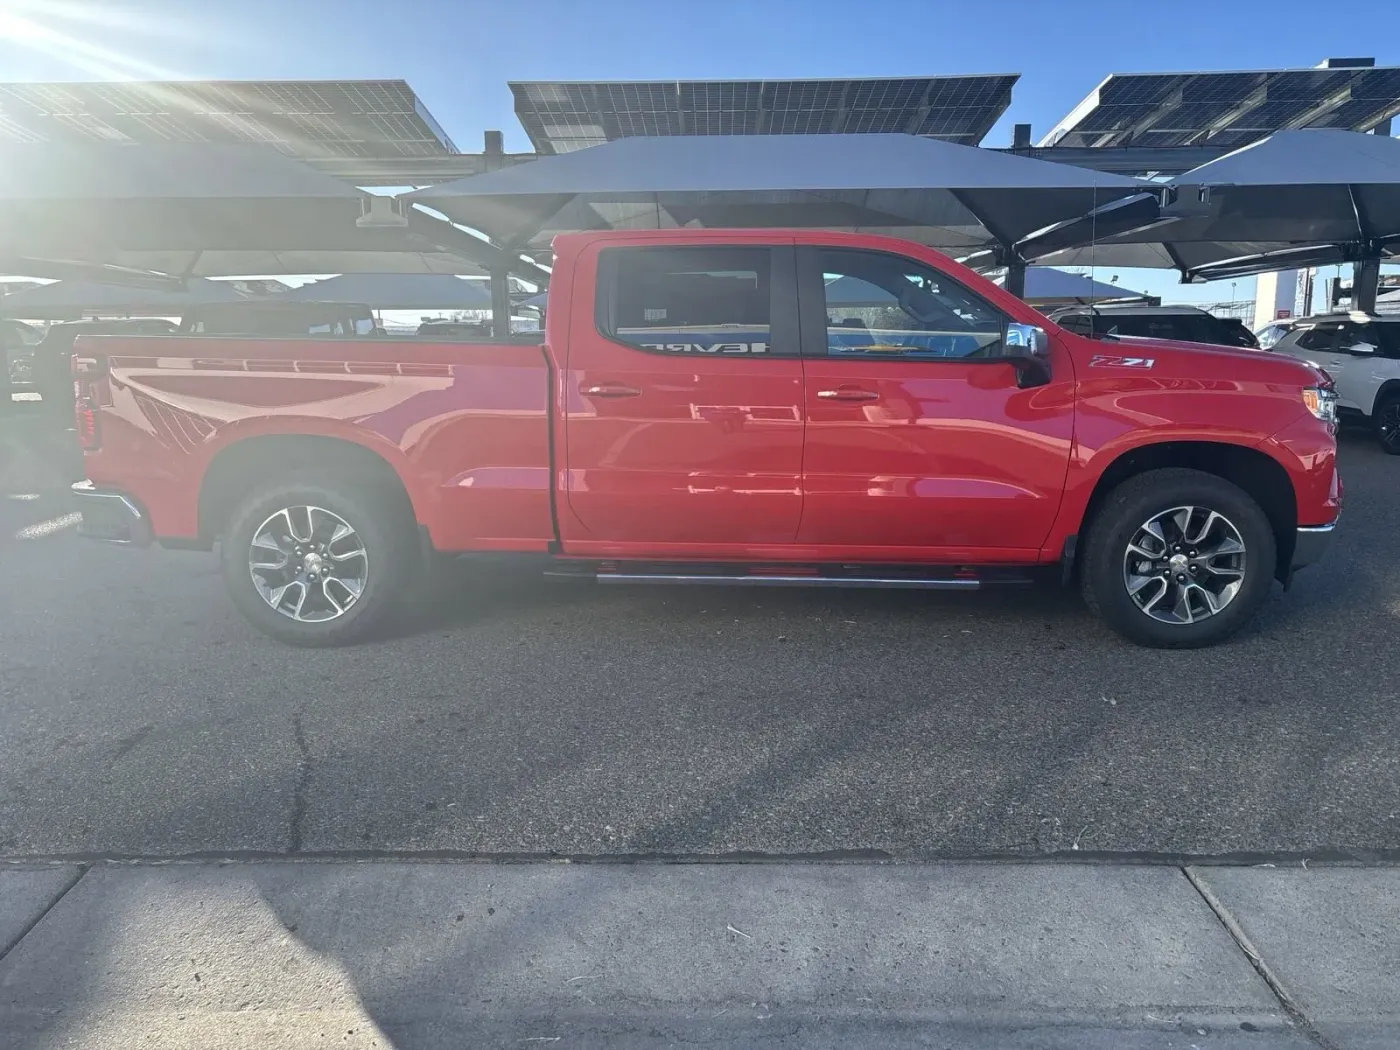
x,y
319,563
1178,559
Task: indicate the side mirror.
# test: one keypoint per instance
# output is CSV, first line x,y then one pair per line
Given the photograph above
x,y
1361,349
1028,348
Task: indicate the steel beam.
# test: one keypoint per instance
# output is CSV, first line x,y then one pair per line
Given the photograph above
x,y
1015,281
500,304
413,171
429,171
1127,160
1365,284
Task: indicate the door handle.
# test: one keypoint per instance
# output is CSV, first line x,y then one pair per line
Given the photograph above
x,y
848,393
609,390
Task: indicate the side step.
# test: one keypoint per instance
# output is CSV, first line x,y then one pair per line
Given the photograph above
x,y
766,580
927,578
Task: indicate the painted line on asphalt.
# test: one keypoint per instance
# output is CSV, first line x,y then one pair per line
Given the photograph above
x,y
51,527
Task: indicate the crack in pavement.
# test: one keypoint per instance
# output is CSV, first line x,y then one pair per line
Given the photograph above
x,y
6,949
1290,1005
299,790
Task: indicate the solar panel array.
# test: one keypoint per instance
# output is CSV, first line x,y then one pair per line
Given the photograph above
x,y
560,117
346,118
1228,109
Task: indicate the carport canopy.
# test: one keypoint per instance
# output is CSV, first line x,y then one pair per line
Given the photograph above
x,y
65,298
169,205
1046,284
952,197
1308,197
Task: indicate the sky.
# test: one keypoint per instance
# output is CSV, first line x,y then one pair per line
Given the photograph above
x,y
459,54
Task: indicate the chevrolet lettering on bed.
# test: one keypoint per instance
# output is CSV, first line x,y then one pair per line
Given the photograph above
x,y
736,407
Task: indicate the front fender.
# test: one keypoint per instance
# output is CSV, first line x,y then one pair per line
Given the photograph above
x,y
1118,415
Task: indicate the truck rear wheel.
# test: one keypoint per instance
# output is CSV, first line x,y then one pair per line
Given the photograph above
x,y
1178,559
319,563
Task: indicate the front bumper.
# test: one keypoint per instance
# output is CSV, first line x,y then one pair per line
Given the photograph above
x,y
111,517
1310,544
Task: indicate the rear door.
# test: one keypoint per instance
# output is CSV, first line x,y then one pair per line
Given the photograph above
x,y
1325,344
682,392
919,439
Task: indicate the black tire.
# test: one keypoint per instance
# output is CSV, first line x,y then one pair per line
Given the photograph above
x,y
1136,501
376,511
1385,421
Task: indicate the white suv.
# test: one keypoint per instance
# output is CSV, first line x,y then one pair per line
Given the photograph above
x,y
1362,353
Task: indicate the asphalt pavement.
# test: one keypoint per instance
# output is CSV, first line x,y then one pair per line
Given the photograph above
x,y
141,717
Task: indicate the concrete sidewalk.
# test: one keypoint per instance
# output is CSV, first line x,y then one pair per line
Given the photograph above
x,y
425,955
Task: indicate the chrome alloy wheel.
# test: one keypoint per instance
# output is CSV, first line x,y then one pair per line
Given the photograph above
x,y
1184,565
308,563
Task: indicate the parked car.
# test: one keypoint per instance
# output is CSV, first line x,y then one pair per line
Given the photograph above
x,y
271,317
1272,332
697,412
17,341
1362,354
444,329
1187,324
454,329
53,356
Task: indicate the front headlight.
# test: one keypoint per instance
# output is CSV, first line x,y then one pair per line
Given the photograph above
x,y
1321,402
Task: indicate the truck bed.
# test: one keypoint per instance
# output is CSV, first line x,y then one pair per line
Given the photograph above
x,y
465,425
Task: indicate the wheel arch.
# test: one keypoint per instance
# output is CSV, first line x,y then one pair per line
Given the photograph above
x,y
241,464
1390,388
1264,478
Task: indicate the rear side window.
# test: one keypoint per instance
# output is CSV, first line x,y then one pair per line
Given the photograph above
x,y
1383,335
1234,333
1187,328
688,301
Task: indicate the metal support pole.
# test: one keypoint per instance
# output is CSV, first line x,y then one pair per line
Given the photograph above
x,y
500,304
1016,278
1365,283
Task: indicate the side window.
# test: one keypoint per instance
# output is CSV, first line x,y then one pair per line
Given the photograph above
x,y
1079,324
887,306
1321,337
1385,335
1351,334
698,300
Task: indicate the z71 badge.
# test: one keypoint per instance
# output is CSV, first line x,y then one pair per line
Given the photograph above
x,y
1109,361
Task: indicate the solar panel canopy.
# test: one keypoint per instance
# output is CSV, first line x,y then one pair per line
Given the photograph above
x,y
564,116
1227,109
340,118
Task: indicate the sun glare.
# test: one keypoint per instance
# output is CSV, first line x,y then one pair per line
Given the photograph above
x,y
67,30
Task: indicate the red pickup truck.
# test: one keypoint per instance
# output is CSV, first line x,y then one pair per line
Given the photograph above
x,y
761,407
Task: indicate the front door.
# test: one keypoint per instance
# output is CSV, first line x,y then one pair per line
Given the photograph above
x,y
683,401
919,439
